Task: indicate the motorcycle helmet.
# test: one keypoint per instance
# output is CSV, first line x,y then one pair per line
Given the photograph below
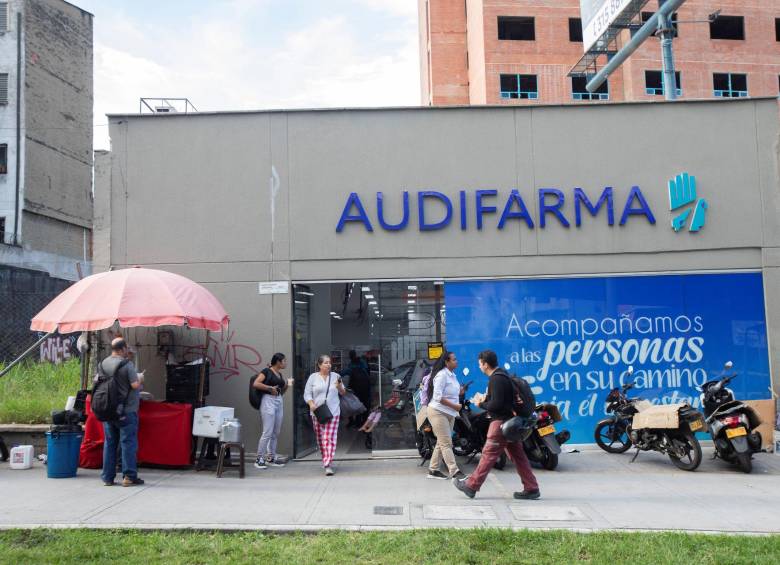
x,y
518,428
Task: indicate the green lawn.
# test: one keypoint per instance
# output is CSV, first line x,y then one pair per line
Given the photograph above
x,y
478,546
31,391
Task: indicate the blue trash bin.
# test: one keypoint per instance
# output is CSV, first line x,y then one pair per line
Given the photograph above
x,y
63,454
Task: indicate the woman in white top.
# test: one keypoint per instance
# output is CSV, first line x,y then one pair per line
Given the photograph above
x,y
443,407
324,386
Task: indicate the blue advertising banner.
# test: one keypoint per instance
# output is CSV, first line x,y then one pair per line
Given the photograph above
x,y
574,339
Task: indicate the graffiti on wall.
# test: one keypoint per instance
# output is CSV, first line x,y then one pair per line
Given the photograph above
x,y
226,357
58,349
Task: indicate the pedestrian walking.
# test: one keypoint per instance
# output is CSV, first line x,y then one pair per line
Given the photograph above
x,y
443,407
272,384
322,393
500,405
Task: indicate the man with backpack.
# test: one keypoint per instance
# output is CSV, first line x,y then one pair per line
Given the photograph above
x,y
503,401
115,402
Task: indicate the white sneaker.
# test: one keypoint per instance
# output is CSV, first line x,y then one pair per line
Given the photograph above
x,y
275,462
328,471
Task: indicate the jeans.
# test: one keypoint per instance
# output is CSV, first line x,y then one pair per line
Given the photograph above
x,y
442,428
125,434
494,445
271,413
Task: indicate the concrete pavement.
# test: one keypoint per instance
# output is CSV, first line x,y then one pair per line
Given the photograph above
x,y
590,491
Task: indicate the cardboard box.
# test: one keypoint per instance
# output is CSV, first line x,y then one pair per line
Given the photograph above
x,y
766,411
208,420
662,416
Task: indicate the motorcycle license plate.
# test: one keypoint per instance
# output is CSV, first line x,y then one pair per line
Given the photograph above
x,y
547,430
696,425
736,432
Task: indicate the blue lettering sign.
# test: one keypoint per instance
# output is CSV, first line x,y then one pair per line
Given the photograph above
x,y
361,216
380,212
581,198
554,209
421,196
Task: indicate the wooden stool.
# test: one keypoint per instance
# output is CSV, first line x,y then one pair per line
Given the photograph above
x,y
225,447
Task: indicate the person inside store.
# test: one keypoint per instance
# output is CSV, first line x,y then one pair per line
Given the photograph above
x,y
124,431
500,405
321,393
443,407
272,385
360,383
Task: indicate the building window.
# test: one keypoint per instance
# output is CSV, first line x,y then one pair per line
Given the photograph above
x,y
579,92
3,88
647,15
519,86
654,83
516,28
3,158
575,30
727,27
3,16
730,85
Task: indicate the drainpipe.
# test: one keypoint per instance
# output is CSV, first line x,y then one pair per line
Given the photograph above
x,y
18,121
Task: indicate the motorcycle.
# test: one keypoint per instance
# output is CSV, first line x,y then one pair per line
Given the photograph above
x,y
669,429
731,423
543,445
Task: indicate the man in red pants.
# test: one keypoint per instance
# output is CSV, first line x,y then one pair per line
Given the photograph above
x,y
499,404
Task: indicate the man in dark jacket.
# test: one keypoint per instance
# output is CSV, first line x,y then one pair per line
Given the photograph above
x,y
499,404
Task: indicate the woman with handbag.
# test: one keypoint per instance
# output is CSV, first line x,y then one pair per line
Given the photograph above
x,y
322,393
443,407
273,385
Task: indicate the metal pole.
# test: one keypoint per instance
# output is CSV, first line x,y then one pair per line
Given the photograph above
x,y
25,354
666,34
17,212
668,8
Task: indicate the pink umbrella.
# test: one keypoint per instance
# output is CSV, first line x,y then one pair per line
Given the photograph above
x,y
134,297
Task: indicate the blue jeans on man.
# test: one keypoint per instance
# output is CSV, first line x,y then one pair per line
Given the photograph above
x,y
125,434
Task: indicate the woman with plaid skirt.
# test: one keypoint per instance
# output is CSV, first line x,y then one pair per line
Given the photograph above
x,y
321,388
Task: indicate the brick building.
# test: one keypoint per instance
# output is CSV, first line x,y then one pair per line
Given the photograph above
x,y
520,52
46,92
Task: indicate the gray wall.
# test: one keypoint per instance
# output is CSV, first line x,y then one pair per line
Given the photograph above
x,y
192,194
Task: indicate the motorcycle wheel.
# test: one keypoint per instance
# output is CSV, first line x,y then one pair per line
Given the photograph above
x,y
604,438
549,460
693,458
744,462
501,463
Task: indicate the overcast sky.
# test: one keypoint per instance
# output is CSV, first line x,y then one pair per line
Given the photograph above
x,y
253,54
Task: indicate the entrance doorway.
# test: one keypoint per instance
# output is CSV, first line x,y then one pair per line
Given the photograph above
x,y
390,327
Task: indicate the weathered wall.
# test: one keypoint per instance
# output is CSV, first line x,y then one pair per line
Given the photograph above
x,y
193,194
58,101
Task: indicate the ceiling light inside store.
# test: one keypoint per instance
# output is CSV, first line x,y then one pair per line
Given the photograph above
x,y
301,302
412,287
332,313
372,302
438,283
365,288
369,296
304,293
410,301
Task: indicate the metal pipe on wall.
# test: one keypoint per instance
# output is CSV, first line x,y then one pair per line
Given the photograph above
x,y
18,122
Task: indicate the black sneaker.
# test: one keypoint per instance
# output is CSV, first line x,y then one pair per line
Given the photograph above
x,y
436,475
128,482
459,475
528,495
460,484
260,463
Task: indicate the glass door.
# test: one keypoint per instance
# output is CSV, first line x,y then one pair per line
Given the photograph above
x,y
304,441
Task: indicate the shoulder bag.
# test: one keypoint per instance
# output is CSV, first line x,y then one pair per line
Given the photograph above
x,y
323,413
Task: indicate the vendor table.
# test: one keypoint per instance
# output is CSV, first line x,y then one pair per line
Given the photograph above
x,y
164,435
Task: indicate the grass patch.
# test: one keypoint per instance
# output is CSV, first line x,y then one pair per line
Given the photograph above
x,y
31,391
477,546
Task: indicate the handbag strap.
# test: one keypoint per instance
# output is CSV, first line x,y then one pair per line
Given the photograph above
x,y
327,390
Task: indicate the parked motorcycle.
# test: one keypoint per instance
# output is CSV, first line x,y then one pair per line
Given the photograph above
x,y
543,445
668,429
732,424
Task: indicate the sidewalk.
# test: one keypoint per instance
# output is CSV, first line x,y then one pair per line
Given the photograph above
x,y
589,491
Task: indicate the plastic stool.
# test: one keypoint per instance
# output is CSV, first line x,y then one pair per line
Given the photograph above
x,y
224,447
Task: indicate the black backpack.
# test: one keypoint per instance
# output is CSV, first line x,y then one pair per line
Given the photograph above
x,y
524,402
108,398
255,395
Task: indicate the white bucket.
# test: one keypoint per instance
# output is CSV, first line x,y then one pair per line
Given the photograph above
x,y
22,457
70,403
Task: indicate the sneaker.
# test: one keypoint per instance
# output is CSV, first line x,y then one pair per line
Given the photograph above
x,y
282,459
436,475
108,483
260,463
459,475
528,495
128,482
275,462
328,471
460,484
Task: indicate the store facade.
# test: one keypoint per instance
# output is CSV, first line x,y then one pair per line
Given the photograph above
x,y
575,241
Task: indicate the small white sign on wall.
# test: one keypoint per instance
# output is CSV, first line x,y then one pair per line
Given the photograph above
x,y
274,287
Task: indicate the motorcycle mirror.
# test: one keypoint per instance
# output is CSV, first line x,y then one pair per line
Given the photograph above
x,y
728,365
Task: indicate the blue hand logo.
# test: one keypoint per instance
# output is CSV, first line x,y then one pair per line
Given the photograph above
x,y
682,191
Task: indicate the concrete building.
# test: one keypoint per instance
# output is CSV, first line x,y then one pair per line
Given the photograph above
x,y
45,155
520,52
392,231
